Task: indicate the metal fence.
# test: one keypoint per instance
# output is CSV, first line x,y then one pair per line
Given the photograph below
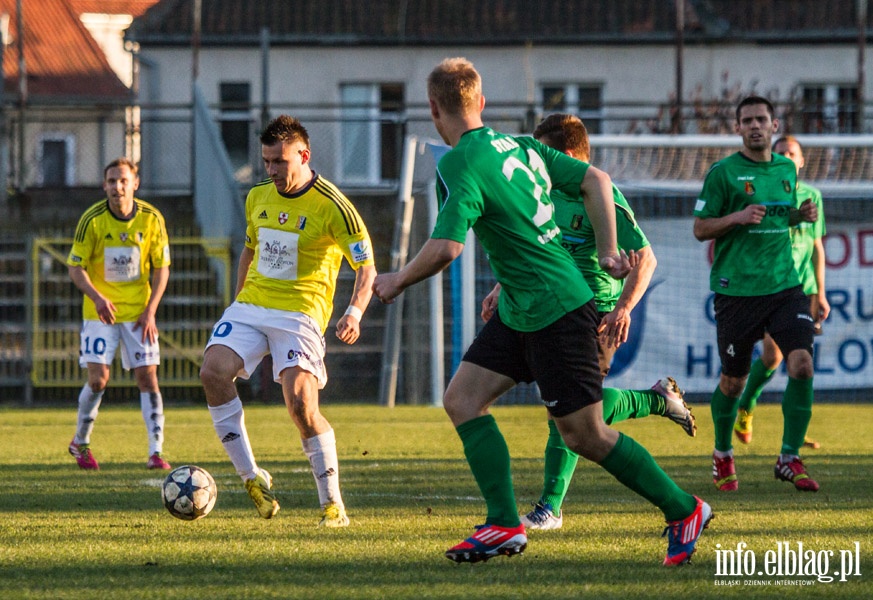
x,y
198,291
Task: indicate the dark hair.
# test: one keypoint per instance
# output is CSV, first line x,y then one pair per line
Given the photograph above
x,y
284,128
752,100
122,162
564,132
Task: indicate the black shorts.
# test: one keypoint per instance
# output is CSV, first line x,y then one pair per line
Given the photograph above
x,y
561,358
742,320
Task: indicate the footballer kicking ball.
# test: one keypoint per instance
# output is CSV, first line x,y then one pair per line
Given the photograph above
x,y
189,492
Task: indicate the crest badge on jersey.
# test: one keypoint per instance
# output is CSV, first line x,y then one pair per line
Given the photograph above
x,y
750,188
361,251
786,185
122,236
283,218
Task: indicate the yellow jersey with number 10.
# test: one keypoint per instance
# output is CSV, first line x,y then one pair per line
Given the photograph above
x,y
119,254
299,241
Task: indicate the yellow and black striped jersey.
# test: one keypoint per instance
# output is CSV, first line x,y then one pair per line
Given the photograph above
x,y
299,241
119,254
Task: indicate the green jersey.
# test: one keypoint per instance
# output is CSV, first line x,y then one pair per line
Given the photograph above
x,y
578,238
501,186
751,260
803,237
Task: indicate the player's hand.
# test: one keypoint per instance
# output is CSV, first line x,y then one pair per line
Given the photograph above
x,y
753,214
489,304
387,287
146,322
614,328
105,310
809,211
618,267
348,329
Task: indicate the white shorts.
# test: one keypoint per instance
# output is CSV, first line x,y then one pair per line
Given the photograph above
x,y
293,339
98,342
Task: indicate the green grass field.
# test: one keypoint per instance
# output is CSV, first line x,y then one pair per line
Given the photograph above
x,y
66,533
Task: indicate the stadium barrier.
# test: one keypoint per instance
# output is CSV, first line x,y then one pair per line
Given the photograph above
x,y
198,291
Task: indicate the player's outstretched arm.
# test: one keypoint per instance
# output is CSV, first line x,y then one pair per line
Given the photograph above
x,y
105,308
615,326
597,195
434,256
348,328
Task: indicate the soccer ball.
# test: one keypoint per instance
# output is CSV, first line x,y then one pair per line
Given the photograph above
x,y
189,492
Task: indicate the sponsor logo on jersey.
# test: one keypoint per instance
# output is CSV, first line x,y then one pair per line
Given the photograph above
x,y
750,188
263,215
122,261
108,236
360,251
301,222
283,218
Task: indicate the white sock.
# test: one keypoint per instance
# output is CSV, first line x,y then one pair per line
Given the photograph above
x,y
723,454
321,452
89,404
229,422
152,405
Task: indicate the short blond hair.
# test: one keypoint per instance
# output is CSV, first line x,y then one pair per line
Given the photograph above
x,y
455,86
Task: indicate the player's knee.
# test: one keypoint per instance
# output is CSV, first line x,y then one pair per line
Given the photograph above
x,y
98,384
732,387
800,365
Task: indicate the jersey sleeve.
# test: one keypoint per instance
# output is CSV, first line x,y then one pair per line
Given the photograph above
x,y
711,200
461,201
83,244
250,242
351,234
628,233
159,249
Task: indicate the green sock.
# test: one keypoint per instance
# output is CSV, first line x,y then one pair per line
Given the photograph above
x,y
633,466
558,471
488,457
758,378
724,413
621,405
796,413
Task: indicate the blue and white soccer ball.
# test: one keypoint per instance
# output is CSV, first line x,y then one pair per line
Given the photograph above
x,y
189,492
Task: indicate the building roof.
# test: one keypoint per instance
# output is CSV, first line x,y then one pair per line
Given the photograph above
x,y
452,22
62,60
112,7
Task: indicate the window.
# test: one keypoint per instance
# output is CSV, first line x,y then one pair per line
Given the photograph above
x,y
55,158
371,133
581,99
235,120
829,109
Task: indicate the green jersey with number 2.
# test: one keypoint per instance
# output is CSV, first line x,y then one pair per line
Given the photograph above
x,y
500,186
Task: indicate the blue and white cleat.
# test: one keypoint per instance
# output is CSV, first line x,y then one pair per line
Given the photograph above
x,y
684,534
542,517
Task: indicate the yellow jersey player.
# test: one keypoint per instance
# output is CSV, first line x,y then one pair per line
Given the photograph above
x,y
120,260
299,227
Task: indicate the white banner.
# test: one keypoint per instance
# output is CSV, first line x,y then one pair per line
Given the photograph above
x,y
673,331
